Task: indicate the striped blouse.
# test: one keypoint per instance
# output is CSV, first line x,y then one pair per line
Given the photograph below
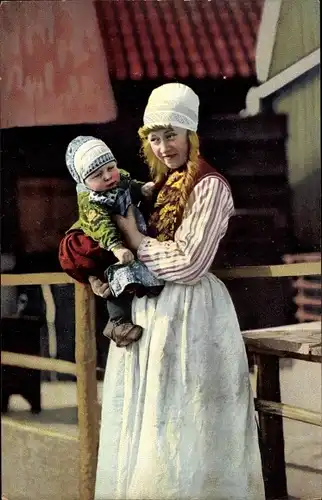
x,y
189,257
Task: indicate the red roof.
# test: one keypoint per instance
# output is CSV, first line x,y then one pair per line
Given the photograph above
x,y
179,38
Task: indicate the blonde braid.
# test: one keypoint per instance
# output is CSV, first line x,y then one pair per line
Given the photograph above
x,y
192,171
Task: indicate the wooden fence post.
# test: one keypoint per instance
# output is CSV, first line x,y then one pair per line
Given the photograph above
x,y
88,411
271,427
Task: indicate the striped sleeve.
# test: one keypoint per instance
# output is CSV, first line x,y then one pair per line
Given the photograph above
x,y
190,255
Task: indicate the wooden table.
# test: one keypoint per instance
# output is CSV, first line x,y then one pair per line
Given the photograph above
x,y
300,341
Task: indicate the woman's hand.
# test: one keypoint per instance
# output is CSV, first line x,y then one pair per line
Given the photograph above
x,y
99,287
148,189
129,229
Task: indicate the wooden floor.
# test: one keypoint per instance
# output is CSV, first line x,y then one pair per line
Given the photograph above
x,y
39,452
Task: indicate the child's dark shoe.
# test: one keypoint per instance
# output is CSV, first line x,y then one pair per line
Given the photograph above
x,y
123,334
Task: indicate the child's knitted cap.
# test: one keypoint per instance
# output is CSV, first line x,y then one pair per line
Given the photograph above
x,y
84,155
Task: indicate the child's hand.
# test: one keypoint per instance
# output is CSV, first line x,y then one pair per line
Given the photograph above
x,y
147,189
100,288
123,255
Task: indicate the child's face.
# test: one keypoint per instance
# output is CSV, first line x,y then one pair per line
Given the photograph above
x,y
105,178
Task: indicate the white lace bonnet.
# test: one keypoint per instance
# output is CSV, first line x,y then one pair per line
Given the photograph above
x,y
172,104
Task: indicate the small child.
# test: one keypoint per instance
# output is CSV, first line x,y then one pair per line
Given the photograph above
x,y
104,190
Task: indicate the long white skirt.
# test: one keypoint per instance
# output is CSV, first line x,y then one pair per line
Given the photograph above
x,y
178,418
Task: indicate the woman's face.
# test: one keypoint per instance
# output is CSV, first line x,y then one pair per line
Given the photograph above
x,y
170,145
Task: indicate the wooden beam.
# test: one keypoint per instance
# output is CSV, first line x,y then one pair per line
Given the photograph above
x,y
279,81
275,271
87,401
37,362
289,411
284,354
32,429
266,38
271,428
36,279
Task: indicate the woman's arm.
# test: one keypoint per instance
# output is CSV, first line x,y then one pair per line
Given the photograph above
x,y
190,255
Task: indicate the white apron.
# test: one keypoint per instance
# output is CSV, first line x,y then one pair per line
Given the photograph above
x,y
178,418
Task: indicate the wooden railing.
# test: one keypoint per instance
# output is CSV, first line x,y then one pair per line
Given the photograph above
x,y
84,368
85,355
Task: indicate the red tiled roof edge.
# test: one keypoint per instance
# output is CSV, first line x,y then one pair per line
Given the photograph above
x,y
179,39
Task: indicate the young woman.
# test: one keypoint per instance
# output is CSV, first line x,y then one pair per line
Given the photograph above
x,y
178,418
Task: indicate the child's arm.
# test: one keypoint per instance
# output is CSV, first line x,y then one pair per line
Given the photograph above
x,y
138,189
97,223
123,255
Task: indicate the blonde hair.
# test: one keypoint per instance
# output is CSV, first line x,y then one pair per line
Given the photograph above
x,y
158,170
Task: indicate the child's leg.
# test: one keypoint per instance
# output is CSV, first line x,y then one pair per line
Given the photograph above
x,y
120,309
120,327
